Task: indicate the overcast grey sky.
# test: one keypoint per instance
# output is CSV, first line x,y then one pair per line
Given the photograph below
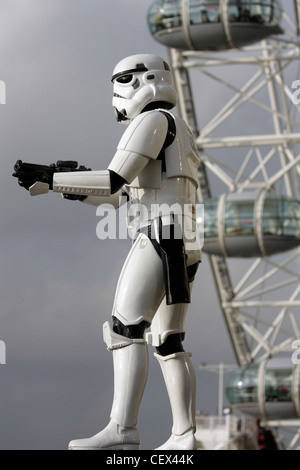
x,y
57,280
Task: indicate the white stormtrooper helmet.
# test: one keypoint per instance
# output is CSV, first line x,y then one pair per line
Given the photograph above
x,y
139,81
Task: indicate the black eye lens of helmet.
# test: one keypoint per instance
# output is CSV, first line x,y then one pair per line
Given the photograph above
x,y
125,78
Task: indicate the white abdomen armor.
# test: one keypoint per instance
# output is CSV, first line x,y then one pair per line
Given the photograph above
x,y
181,160
166,188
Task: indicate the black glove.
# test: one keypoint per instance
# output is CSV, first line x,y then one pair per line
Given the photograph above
x,y
30,173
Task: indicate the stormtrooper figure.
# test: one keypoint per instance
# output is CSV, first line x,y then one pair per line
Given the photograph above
x,y
155,165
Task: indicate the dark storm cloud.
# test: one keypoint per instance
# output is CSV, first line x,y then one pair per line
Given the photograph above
x,y
57,280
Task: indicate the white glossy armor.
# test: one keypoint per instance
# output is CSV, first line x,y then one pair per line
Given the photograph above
x,y
156,162
139,80
136,162
130,359
178,369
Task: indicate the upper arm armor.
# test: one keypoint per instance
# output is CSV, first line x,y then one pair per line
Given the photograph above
x,y
142,141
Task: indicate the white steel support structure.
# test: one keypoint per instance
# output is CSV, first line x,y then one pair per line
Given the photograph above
x,y
250,141
262,309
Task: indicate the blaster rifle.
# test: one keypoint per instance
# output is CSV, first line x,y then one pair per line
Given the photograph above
x,y
38,179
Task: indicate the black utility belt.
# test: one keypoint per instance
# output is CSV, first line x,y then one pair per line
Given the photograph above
x,y
171,250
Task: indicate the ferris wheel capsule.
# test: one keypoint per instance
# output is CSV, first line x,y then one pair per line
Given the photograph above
x,y
251,224
203,25
268,389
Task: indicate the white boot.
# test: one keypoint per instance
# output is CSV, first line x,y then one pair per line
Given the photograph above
x,y
180,381
130,359
113,437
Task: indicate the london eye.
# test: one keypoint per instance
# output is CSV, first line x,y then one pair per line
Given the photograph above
x,y
235,67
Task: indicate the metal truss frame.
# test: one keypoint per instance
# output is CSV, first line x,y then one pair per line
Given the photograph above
x,y
260,298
